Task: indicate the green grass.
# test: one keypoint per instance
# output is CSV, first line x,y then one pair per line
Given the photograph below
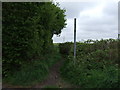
x,y
33,72
29,74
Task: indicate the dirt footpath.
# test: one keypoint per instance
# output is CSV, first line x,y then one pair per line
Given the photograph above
x,y
54,78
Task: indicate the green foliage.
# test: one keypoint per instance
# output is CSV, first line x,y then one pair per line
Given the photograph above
x,y
65,48
29,74
27,31
95,67
34,72
88,75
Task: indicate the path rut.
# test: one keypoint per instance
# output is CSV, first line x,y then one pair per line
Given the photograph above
x,y
54,78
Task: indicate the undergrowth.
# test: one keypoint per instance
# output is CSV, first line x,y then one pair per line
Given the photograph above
x,y
33,72
96,65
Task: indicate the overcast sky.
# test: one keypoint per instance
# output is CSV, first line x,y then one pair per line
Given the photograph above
x,y
96,19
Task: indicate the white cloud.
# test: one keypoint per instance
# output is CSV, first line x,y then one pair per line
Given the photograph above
x,y
95,20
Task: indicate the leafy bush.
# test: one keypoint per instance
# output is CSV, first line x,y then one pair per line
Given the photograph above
x,y
95,67
90,78
65,48
33,72
28,28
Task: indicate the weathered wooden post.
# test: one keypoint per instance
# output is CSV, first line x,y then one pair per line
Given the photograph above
x,y
118,36
119,20
74,39
119,31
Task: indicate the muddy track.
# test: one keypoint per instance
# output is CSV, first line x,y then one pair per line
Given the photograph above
x,y
54,78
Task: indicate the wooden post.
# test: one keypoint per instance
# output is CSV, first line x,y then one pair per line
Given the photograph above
x,y
118,36
74,39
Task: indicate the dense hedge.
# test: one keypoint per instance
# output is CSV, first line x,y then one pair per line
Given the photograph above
x,y
96,65
27,30
65,48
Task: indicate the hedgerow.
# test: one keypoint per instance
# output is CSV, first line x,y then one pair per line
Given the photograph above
x,y
95,66
27,31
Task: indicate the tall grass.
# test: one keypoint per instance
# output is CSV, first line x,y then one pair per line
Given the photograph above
x,y
35,71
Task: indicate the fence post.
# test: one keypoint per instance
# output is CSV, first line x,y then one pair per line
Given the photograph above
x,y
74,39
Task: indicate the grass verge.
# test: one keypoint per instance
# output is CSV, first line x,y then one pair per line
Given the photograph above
x,y
33,72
